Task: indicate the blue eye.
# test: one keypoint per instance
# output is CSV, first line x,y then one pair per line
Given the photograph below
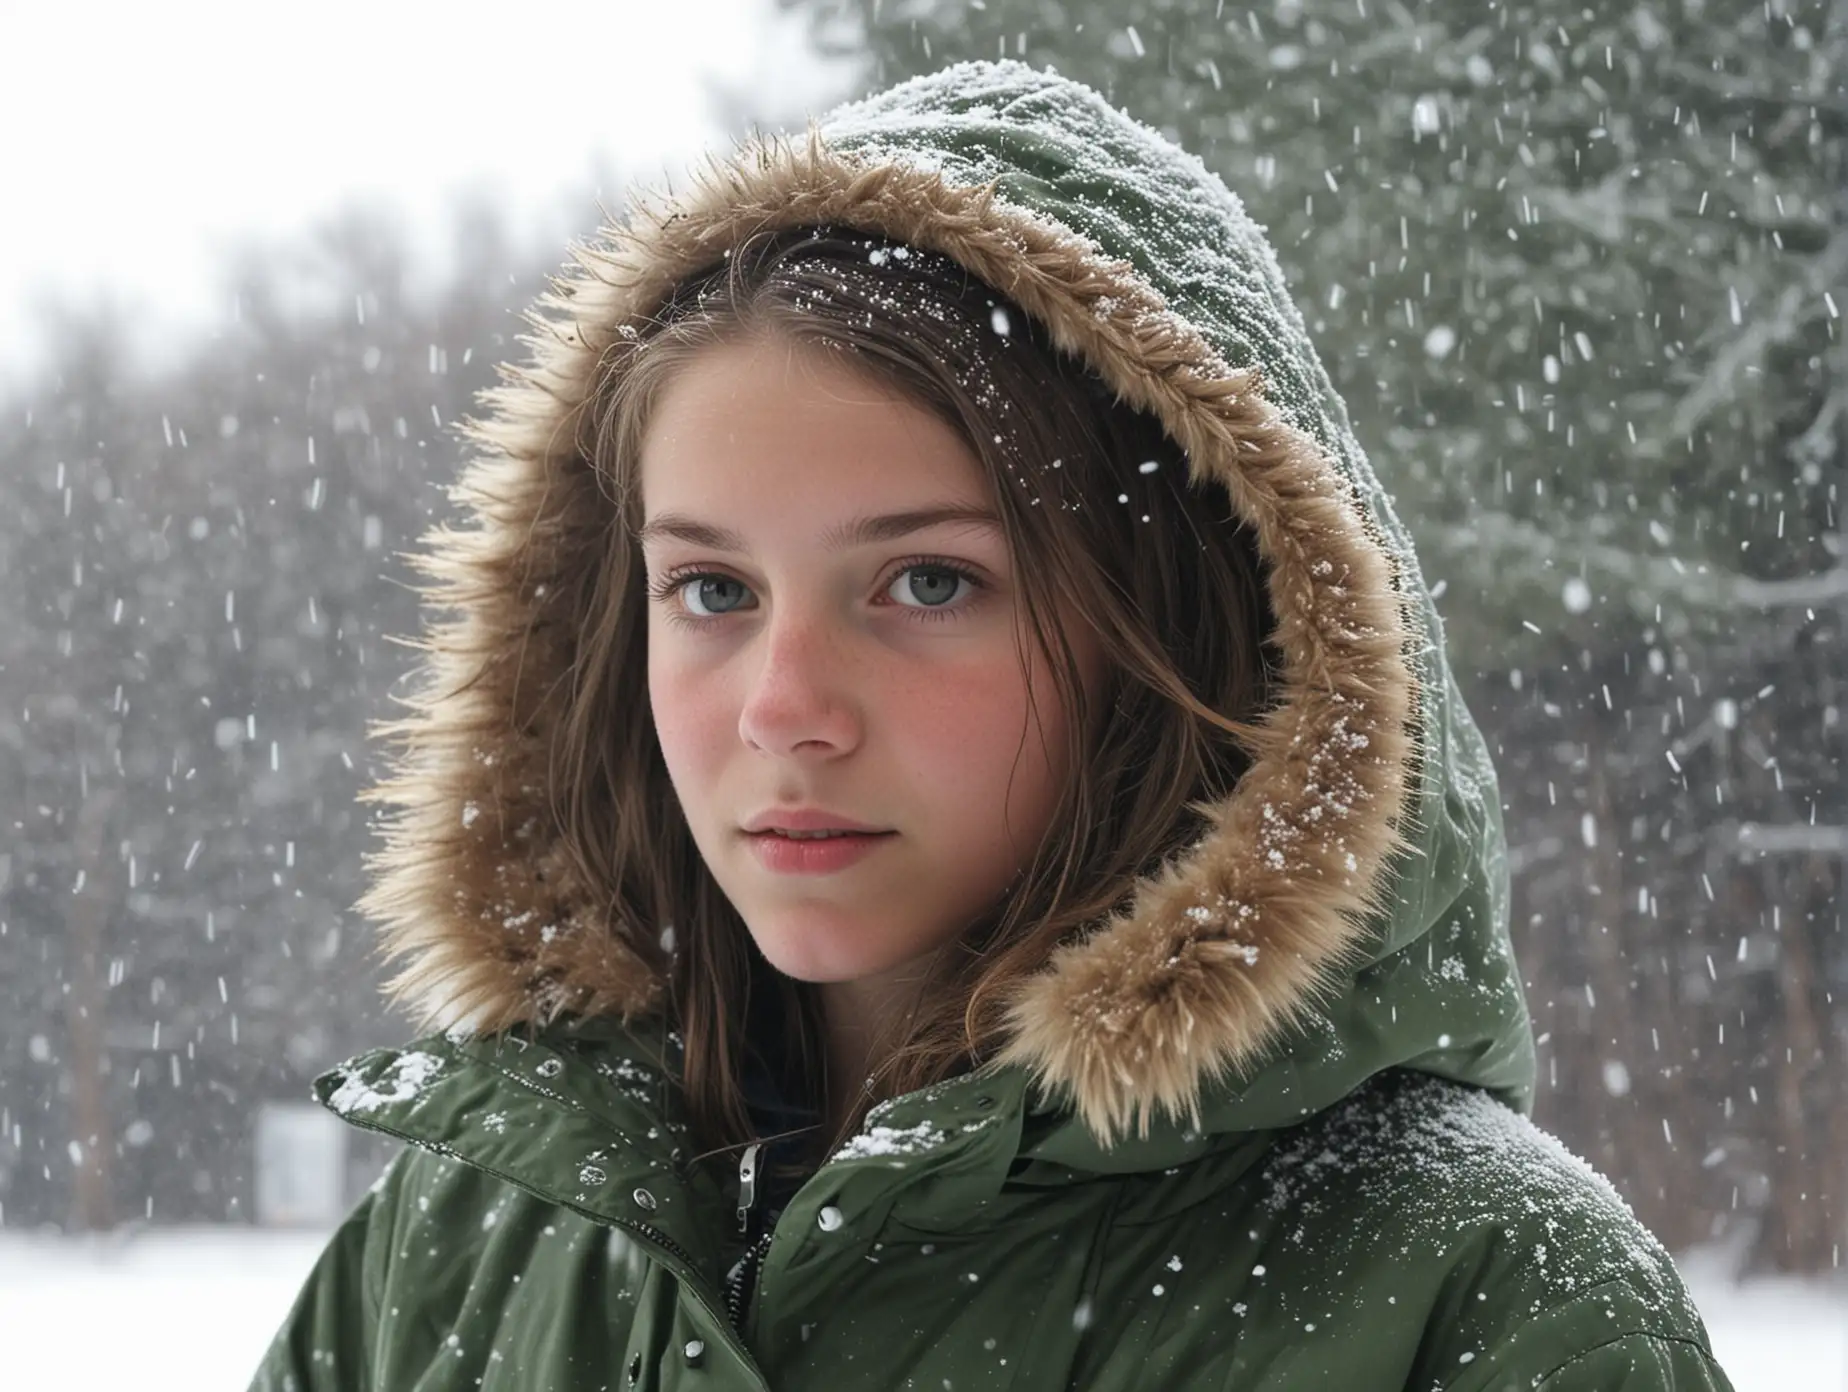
x,y
702,585
940,583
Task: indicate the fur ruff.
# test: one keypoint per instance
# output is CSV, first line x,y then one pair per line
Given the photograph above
x,y
1217,956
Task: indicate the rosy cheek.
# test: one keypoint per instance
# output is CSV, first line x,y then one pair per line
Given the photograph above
x,y
682,717
971,724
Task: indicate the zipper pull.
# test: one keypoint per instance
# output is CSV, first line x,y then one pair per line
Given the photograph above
x,y
747,1185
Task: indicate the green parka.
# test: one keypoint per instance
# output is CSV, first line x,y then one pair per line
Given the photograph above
x,y
1263,1130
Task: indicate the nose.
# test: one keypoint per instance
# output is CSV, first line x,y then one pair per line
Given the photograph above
x,y
799,701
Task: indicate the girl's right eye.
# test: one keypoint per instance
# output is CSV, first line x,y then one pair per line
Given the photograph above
x,y
690,599
697,585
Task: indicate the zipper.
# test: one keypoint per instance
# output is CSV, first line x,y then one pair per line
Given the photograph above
x,y
747,1185
740,1279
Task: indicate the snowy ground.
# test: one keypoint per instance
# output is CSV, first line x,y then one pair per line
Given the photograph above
x,y
194,1309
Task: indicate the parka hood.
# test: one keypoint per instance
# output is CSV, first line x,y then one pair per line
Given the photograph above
x,y
1346,910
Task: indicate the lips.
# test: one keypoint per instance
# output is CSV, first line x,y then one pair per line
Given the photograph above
x,y
786,819
814,855
816,835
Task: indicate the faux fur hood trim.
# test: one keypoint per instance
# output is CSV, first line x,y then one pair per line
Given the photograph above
x,y
1215,958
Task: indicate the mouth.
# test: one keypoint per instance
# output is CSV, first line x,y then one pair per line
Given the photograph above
x,y
814,853
790,834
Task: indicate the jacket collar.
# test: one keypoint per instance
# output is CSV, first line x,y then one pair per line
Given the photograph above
x,y
588,1115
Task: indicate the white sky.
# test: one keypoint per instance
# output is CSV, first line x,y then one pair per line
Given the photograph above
x,y
138,139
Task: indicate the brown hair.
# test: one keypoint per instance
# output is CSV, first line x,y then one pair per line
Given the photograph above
x,y
1159,567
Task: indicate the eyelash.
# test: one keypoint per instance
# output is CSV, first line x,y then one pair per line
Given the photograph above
x,y
673,581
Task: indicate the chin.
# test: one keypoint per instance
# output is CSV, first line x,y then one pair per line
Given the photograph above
x,y
799,956
816,970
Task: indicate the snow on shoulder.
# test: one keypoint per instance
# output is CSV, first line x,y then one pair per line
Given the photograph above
x,y
1445,1168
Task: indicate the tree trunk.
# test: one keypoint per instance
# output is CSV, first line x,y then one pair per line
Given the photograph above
x,y
92,1198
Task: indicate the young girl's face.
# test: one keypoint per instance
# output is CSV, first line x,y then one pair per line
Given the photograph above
x,y
807,649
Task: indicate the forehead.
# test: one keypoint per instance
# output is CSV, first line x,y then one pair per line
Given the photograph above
x,y
763,434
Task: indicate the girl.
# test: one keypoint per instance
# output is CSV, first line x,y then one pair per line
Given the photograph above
x,y
940,849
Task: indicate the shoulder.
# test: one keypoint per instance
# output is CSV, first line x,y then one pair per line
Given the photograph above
x,y
431,1207
1448,1166
446,1238
1419,1234
441,1234
1501,1243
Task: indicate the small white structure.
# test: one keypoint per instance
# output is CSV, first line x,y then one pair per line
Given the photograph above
x,y
301,1166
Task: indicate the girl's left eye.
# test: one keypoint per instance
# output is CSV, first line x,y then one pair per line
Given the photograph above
x,y
939,588
929,581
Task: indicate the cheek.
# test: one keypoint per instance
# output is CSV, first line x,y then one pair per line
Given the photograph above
x,y
687,722
973,732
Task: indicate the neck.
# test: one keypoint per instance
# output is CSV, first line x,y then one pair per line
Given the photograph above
x,y
858,1016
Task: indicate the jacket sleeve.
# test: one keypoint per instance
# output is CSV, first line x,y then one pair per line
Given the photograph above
x,y
326,1341
1639,1363
1639,1334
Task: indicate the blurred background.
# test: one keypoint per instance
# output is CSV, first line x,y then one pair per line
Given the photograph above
x,y
1578,271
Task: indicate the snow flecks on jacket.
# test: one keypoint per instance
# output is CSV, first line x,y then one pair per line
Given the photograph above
x,y
630,1077
894,1142
899,1143
1434,1142
401,1082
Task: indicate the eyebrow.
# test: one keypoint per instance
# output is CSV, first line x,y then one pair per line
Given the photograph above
x,y
860,531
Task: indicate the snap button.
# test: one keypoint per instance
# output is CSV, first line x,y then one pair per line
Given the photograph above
x,y
695,1350
829,1218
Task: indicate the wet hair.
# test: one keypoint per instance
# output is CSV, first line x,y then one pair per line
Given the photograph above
x,y
1100,520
